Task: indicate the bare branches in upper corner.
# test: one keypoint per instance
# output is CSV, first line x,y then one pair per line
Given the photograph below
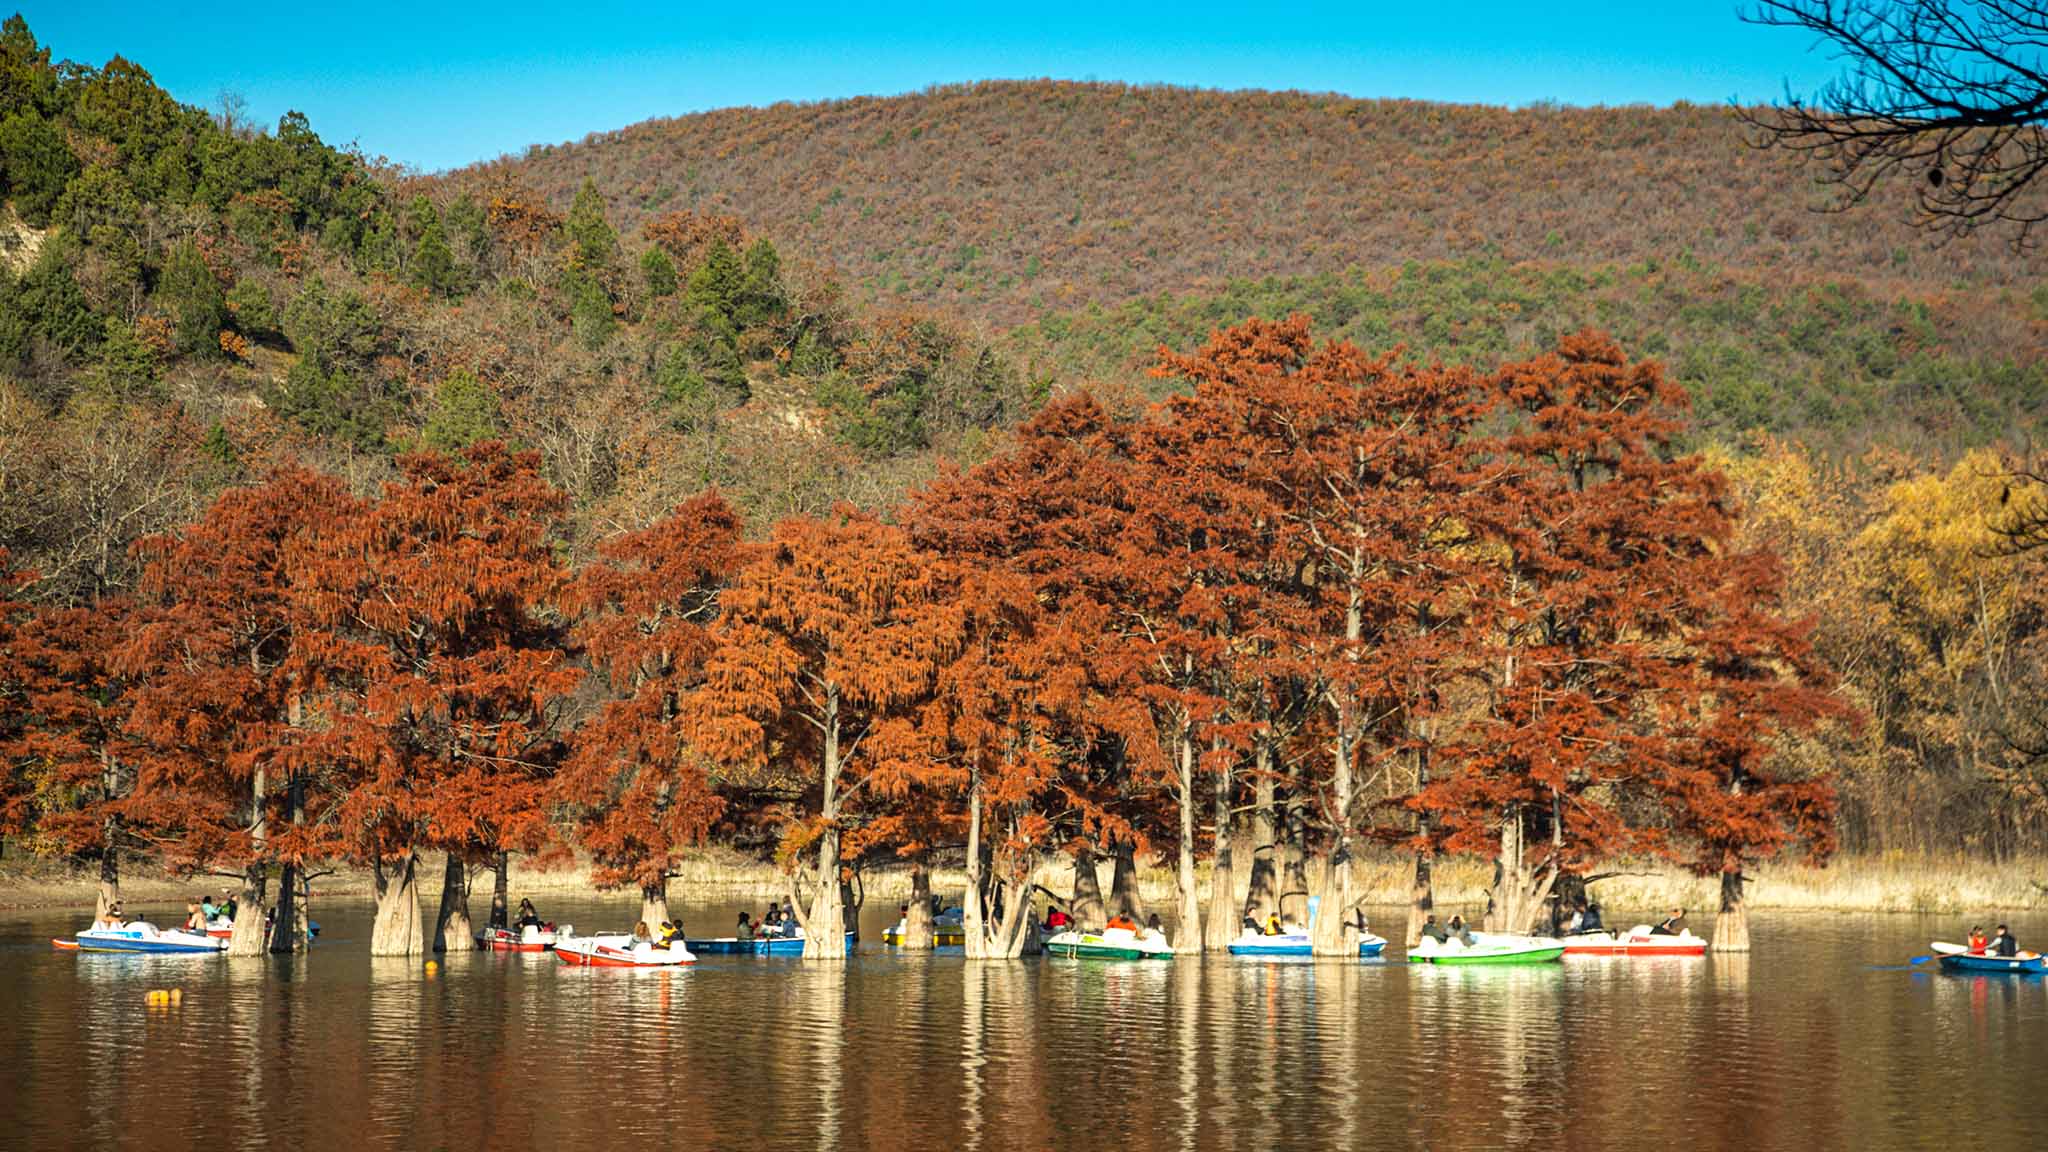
x,y
1951,95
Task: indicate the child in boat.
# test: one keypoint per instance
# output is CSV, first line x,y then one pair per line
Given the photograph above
x,y
1978,942
2003,944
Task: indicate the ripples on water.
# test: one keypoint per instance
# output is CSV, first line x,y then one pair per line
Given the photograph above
x,y
1805,1045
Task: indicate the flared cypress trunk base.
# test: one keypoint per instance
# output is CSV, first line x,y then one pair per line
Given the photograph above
x,y
1731,925
452,931
917,918
396,930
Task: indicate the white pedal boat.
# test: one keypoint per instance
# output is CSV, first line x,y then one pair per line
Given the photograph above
x,y
618,951
1637,941
1111,944
145,938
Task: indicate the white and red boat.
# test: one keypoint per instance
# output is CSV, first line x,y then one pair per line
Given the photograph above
x,y
530,938
1637,941
618,951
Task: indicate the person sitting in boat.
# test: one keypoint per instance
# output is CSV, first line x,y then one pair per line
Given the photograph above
x,y
1590,922
1273,925
1124,922
744,930
1431,930
226,908
670,933
528,917
195,920
1978,941
775,923
1672,925
1057,921
1576,922
206,907
1459,931
2003,944
1154,929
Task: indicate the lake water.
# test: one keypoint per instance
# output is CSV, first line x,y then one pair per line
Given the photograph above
x,y
1819,1039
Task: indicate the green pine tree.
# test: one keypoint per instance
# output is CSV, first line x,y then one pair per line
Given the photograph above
x,y
659,272
189,292
465,412
597,246
433,262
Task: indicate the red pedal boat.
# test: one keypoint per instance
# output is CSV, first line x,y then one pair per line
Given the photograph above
x,y
618,951
528,939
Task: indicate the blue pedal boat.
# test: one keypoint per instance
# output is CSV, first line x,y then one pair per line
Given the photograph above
x,y
1293,944
758,946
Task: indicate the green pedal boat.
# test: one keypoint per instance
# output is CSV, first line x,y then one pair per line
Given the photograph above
x,y
1111,944
1489,948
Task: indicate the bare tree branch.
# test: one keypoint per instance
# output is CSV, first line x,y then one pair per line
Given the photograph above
x,y
1951,95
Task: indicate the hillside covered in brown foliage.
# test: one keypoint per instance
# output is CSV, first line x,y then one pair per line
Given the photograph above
x,y
1006,199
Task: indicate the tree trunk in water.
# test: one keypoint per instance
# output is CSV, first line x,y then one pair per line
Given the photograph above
x,y
1190,890
1421,897
501,911
825,930
917,920
1124,899
286,936
110,883
1294,869
452,932
1263,899
1224,918
1088,911
654,904
1331,931
1731,927
247,939
1519,893
396,931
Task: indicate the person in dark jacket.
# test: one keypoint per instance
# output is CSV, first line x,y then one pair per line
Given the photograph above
x,y
1671,925
2003,944
1431,930
1591,922
1459,932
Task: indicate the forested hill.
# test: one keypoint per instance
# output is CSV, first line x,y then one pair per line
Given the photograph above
x,y
1005,199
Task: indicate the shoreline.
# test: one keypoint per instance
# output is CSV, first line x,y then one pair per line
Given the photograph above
x,y
1889,883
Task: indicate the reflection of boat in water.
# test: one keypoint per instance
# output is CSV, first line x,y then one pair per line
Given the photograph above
x,y
1488,948
143,938
948,930
1637,941
617,951
1957,958
792,945
526,938
1111,944
1250,943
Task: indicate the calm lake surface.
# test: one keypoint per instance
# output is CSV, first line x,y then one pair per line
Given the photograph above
x,y
1821,1038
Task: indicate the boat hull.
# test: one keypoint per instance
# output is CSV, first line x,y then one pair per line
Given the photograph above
x,y
506,940
1114,944
951,937
1482,956
1294,944
1639,942
148,943
758,946
618,952
2009,965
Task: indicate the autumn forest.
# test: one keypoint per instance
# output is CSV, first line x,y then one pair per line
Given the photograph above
x,y
892,502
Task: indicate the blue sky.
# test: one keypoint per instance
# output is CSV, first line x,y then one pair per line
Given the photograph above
x,y
440,86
